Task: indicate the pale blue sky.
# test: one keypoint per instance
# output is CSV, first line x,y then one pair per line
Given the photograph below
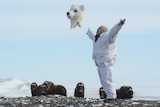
x,y
37,44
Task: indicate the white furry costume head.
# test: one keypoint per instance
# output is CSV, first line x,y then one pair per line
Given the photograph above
x,y
75,15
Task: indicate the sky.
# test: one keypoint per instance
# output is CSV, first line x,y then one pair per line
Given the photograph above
x,y
37,44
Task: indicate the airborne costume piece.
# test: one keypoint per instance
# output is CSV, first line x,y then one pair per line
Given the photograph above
x,y
75,15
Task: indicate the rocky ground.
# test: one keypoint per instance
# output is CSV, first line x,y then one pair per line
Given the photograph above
x,y
61,101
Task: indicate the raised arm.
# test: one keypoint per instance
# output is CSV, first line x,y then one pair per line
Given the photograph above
x,y
90,34
115,29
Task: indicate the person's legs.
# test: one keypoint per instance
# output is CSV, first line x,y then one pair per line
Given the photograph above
x,y
106,81
105,75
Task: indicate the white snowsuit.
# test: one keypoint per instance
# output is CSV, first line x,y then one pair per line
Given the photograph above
x,y
104,55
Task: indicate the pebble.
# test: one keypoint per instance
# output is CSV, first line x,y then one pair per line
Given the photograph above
x,y
63,101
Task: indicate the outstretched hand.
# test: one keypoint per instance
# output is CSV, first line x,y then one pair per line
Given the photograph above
x,y
88,30
122,22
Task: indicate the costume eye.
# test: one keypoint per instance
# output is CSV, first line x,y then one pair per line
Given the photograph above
x,y
75,10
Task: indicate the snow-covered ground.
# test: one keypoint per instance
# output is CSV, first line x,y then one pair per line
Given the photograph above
x,y
12,87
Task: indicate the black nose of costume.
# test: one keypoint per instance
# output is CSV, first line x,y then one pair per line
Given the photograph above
x,y
67,13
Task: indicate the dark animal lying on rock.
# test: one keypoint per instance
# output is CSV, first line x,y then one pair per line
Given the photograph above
x,y
60,90
42,90
50,87
125,92
47,88
79,90
55,89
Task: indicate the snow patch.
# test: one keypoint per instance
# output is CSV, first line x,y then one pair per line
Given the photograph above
x,y
12,87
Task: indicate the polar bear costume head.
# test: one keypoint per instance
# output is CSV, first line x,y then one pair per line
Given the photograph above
x,y
75,15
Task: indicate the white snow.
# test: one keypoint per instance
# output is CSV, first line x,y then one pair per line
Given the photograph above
x,y
12,87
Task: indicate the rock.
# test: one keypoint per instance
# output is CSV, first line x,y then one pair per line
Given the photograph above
x,y
63,101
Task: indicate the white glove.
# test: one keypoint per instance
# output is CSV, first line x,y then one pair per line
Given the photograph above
x,y
122,22
88,30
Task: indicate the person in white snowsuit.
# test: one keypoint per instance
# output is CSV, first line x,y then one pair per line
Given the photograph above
x,y
104,55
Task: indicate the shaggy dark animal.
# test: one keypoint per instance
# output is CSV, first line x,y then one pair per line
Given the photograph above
x,y
79,90
47,88
42,90
102,93
60,90
38,90
50,87
55,89
125,92
34,89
